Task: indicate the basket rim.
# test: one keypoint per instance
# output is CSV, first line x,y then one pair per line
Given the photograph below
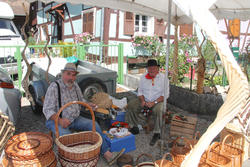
x,y
78,150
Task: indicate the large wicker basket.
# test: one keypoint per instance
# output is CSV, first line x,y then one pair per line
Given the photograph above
x,y
30,149
78,149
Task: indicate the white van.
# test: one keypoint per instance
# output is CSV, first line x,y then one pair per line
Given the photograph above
x,y
9,36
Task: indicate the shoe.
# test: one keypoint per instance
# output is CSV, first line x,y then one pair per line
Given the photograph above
x,y
154,139
134,130
115,156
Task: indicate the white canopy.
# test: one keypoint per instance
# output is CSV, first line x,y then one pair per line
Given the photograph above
x,y
198,10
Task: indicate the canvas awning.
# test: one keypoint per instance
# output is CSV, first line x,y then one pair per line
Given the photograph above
x,y
184,11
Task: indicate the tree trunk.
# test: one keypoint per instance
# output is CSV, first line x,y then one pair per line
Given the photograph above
x,y
175,58
201,75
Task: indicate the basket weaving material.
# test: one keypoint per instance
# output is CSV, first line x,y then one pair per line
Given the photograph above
x,y
215,159
235,154
179,152
6,131
102,100
78,149
165,163
144,164
30,149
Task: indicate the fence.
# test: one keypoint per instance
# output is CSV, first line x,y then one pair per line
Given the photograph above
x,y
108,56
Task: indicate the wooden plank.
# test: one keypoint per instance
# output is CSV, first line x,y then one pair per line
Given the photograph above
x,y
189,136
180,124
182,130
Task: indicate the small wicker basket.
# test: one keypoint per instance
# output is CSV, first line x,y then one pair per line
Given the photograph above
x,y
179,152
144,164
78,149
228,150
215,159
165,163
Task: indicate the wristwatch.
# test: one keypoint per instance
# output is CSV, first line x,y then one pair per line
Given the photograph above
x,y
156,101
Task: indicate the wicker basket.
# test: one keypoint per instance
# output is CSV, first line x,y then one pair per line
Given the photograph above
x,y
179,152
165,163
228,150
145,164
7,130
30,149
214,159
78,149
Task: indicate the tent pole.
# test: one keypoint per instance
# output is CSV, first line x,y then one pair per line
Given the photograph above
x,y
166,84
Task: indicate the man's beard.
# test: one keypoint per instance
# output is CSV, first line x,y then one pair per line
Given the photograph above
x,y
70,83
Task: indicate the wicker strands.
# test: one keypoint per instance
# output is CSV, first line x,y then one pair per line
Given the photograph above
x,y
102,100
7,130
214,159
144,164
30,149
228,150
179,152
165,163
78,149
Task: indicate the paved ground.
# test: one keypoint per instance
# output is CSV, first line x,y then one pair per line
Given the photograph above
x,y
32,122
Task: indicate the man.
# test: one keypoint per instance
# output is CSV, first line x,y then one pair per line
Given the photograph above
x,y
150,99
70,118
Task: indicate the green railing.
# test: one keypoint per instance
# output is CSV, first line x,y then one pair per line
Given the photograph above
x,y
108,56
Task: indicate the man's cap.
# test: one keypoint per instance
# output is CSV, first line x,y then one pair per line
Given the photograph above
x,y
70,67
152,62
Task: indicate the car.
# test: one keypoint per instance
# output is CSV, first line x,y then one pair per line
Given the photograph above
x,y
10,97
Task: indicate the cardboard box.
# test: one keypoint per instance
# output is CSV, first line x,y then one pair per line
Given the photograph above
x,y
184,128
116,144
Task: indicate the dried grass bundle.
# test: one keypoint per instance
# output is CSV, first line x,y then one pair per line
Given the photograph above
x,y
102,100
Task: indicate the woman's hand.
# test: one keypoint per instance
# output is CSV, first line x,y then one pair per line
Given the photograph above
x,y
150,104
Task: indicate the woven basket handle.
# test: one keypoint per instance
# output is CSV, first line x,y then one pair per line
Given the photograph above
x,y
224,140
144,154
187,142
68,104
165,156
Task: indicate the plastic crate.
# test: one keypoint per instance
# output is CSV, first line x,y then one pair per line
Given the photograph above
x,y
117,144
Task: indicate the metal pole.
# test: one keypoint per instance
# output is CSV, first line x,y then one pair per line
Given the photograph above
x,y
162,121
191,79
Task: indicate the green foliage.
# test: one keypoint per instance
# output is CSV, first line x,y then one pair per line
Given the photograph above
x,y
208,51
66,50
186,50
218,80
150,43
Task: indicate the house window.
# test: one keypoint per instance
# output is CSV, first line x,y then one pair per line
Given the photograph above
x,y
141,23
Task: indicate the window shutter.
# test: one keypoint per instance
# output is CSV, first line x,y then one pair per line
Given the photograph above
x,y
159,27
88,22
128,23
234,26
186,29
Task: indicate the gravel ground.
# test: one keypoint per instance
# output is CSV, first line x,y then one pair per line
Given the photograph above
x,y
33,122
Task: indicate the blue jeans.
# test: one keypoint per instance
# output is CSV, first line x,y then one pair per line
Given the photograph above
x,y
81,124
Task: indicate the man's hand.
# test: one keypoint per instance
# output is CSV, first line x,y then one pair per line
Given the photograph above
x,y
150,104
64,122
143,103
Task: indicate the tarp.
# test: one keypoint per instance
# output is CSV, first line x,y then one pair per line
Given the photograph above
x,y
183,11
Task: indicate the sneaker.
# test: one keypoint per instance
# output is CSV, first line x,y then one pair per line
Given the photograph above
x,y
134,130
154,139
115,156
